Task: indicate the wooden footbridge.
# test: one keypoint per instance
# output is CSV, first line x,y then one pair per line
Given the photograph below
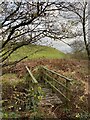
x,y
45,88
55,86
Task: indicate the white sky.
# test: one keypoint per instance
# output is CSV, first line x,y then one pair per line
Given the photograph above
x,y
56,44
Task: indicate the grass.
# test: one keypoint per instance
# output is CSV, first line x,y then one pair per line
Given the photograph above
x,y
12,87
35,52
11,79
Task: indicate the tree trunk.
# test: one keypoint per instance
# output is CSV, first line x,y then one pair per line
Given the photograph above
x,y
84,33
88,53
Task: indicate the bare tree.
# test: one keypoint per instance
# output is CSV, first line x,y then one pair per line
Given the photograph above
x,y
26,22
21,25
77,13
78,50
78,46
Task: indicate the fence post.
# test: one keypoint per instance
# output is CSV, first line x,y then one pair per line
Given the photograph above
x,y
53,82
67,93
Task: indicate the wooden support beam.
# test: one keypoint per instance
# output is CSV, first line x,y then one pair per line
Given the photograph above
x,y
33,78
57,74
57,82
57,89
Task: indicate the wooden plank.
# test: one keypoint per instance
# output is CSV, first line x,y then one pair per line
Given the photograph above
x,y
57,81
33,78
57,90
57,74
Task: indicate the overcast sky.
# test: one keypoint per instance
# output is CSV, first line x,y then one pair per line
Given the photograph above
x,y
56,44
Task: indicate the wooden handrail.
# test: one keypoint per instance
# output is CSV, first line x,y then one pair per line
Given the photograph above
x,y
57,74
57,81
56,89
67,82
33,78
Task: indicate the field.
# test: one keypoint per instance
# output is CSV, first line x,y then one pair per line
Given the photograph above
x,y
35,52
14,83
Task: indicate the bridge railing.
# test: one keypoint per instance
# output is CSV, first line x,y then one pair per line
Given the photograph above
x,y
31,75
58,83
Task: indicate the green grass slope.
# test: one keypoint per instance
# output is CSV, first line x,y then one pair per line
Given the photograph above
x,y
35,52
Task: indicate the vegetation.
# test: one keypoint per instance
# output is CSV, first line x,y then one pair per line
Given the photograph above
x,y
16,88
34,25
19,98
35,52
24,84
78,50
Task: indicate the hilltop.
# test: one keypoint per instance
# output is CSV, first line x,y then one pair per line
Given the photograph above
x,y
37,51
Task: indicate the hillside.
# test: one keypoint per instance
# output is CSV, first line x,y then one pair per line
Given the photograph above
x,y
36,51
14,86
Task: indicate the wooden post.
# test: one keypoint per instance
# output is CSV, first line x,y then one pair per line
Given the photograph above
x,y
53,82
67,93
40,74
